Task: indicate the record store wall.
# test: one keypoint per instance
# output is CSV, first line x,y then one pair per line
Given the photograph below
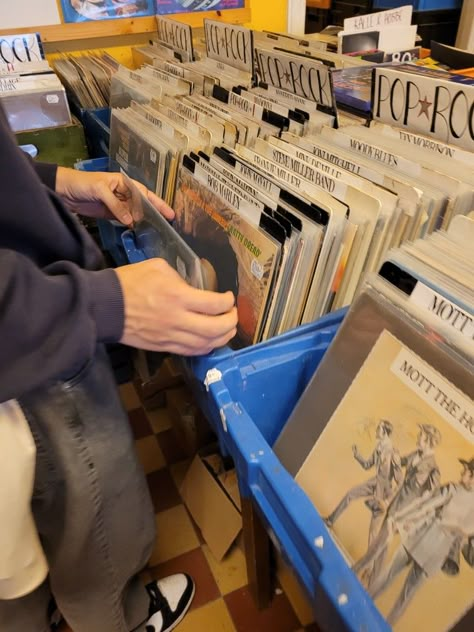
x,y
269,15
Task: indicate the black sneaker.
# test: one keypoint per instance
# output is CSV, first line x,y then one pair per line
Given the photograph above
x,y
170,599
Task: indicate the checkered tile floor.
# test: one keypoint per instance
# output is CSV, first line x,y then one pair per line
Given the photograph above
x,y
222,602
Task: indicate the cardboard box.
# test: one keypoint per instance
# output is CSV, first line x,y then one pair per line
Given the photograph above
x,y
189,424
296,596
211,506
155,374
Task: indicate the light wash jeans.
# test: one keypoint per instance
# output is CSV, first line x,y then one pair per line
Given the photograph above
x,y
91,507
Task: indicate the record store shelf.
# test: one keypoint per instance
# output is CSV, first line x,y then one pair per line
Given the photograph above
x,y
237,392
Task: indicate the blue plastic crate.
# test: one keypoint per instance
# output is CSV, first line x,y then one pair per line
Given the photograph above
x,y
419,5
299,349
245,402
96,124
97,130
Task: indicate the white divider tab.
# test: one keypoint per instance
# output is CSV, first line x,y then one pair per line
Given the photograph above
x,y
212,376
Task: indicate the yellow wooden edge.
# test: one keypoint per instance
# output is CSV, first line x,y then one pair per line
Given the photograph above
x,y
111,28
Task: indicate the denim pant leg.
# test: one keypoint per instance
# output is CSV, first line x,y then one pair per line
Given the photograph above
x,y
91,502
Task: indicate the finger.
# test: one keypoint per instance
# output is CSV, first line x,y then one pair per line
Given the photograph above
x,y
161,205
208,327
156,201
206,302
119,209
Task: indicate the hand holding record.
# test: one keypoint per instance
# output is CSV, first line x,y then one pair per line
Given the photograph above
x,y
105,195
164,313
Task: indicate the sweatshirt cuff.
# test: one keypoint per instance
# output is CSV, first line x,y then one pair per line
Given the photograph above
x,y
47,173
107,304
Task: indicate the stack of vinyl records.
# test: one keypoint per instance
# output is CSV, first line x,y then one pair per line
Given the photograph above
x,y
382,439
287,210
299,211
87,78
298,216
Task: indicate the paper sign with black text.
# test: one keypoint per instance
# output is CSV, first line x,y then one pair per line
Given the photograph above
x,y
176,34
230,44
401,16
435,107
302,76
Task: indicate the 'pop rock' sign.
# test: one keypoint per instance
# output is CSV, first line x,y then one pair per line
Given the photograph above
x,y
230,44
299,75
16,49
436,107
176,34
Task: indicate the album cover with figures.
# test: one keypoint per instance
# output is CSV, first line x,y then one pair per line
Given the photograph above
x,y
392,474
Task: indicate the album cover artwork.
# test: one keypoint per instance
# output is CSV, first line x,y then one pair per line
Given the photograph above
x,y
236,255
130,151
85,10
164,7
392,474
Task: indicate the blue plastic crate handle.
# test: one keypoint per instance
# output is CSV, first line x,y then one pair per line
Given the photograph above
x,y
140,244
133,252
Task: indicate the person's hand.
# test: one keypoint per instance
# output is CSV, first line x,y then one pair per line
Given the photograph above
x,y
164,313
100,194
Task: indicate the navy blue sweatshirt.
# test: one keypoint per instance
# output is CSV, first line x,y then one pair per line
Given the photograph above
x,y
56,303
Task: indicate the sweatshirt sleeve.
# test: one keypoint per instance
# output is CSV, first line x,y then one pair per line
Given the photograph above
x,y
51,320
46,173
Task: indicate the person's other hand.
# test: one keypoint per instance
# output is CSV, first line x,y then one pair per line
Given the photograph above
x,y
100,194
164,313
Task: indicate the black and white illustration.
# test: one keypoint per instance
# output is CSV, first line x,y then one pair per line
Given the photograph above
x,y
397,462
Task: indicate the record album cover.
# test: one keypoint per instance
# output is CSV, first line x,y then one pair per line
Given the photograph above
x,y
164,7
353,86
239,256
393,476
368,316
131,152
85,10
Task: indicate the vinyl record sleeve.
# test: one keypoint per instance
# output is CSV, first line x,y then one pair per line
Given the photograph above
x,y
243,257
368,316
130,151
305,221
124,89
157,238
36,109
393,475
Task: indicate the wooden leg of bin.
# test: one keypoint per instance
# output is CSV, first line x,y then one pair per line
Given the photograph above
x,y
257,555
